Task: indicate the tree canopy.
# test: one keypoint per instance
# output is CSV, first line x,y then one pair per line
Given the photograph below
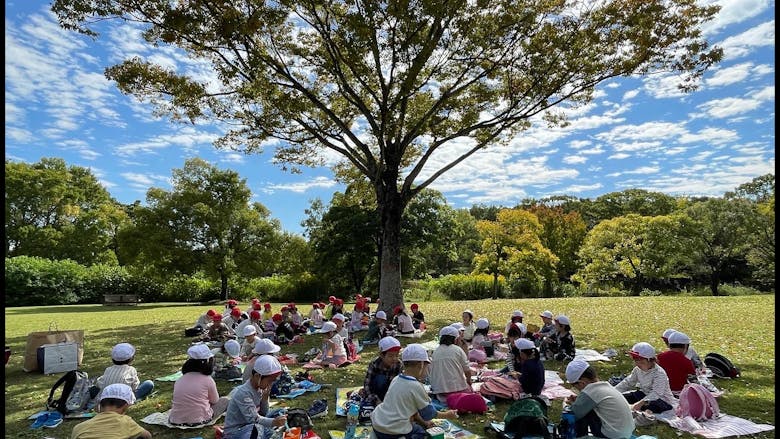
x,y
395,87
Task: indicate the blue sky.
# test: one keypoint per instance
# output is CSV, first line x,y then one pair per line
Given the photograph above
x,y
637,133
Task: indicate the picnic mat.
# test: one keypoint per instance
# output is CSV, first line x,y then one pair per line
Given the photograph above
x,y
176,375
451,431
720,427
160,418
589,355
69,415
361,432
314,365
416,334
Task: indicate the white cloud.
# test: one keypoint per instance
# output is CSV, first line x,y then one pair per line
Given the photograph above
x,y
732,12
574,159
619,156
300,187
729,75
577,188
743,44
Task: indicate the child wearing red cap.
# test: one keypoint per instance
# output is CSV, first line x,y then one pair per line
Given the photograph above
x,y
316,318
233,319
284,332
418,318
267,314
356,318
337,307
217,332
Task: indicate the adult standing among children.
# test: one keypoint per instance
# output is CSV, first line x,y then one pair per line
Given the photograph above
x,y
598,407
450,371
247,410
196,400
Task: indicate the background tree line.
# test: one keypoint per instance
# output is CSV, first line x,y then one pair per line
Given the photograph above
x,y
204,239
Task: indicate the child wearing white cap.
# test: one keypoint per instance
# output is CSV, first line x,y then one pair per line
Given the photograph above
x,y
406,410
480,339
249,334
196,400
529,369
516,317
333,351
598,407
647,386
111,420
468,325
377,328
122,355
264,346
225,358
560,344
450,371
690,353
381,371
248,406
674,362
548,327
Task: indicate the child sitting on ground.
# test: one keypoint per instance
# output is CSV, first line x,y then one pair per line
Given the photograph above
x,y
548,327
250,338
468,325
403,323
122,355
333,352
316,318
381,371
481,341
516,317
560,344
418,318
224,361
647,386
111,420
284,332
377,328
406,410
529,370
674,362
356,318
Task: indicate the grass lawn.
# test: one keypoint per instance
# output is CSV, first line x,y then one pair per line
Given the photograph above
x,y
741,328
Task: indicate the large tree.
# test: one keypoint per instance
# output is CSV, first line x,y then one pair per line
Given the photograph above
x,y
205,223
57,211
396,88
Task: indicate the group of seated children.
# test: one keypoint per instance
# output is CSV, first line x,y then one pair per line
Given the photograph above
x,y
393,382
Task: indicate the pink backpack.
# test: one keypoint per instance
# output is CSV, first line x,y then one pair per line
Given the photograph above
x,y
697,402
467,402
478,356
500,387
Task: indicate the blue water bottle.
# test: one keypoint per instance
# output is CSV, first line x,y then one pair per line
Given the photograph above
x,y
353,411
568,423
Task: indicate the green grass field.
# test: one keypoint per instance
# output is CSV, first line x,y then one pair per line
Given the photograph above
x,y
742,328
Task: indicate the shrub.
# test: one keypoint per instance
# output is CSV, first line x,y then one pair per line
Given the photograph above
x,y
32,280
737,290
191,289
466,286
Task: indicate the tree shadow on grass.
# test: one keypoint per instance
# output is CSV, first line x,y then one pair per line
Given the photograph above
x,y
70,309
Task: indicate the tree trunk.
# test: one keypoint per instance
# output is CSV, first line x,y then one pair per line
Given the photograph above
x,y
495,285
224,279
714,281
390,211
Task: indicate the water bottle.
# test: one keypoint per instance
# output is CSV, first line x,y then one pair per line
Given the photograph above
x,y
567,422
353,411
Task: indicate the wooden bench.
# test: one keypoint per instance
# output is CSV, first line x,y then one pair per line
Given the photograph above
x,y
120,299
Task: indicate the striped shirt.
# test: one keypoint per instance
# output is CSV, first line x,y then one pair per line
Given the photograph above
x,y
654,383
119,374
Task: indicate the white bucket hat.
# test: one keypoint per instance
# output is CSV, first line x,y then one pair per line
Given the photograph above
x,y
122,352
118,391
415,352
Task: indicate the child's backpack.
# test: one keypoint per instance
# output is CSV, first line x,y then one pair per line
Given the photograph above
x,y
75,394
697,402
351,349
500,387
720,366
298,417
527,417
194,331
283,385
467,402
